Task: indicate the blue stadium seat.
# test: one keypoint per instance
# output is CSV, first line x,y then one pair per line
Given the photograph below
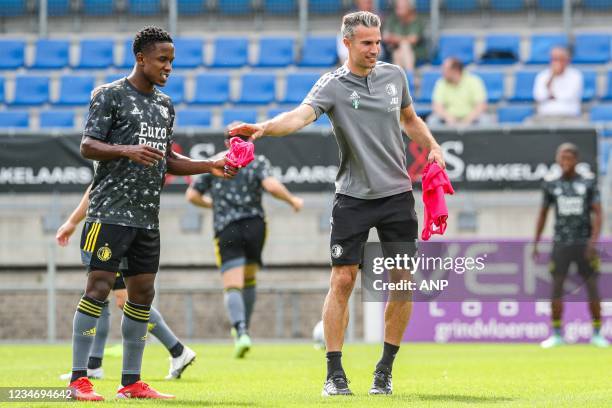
x,y
128,54
144,7
514,113
277,111
298,85
75,90
235,7
325,6
428,82
494,83
496,45
211,89
423,6
541,44
238,115
591,49
231,52
257,89
96,54
13,8
1,89
605,153
458,46
175,88
589,88
31,90
275,52
113,77
410,77
280,6
597,5
319,52
423,111
523,86
601,112
193,117
188,53
13,52
549,5
14,119
56,118
98,7
608,94
190,7
507,5
58,8
461,6
51,54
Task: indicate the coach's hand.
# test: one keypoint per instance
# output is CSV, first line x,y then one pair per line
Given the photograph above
x,y
297,203
143,154
252,130
221,169
435,154
64,233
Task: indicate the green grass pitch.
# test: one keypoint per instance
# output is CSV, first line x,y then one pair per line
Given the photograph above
x,y
284,375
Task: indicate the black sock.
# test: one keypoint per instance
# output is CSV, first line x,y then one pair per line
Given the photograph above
x,y
176,350
386,361
334,363
240,328
127,379
78,374
94,362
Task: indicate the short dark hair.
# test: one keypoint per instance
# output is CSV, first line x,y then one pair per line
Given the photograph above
x,y
456,64
149,36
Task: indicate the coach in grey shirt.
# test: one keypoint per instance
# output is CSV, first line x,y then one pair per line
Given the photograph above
x,y
368,103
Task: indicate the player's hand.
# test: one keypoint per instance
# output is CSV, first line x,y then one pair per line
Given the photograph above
x,y
435,154
297,203
222,169
63,234
252,130
535,253
143,154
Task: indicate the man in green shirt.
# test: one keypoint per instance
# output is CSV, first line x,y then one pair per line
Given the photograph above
x,y
403,35
459,98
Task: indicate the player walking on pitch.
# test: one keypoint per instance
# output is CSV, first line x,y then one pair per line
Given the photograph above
x,y
576,234
128,134
366,101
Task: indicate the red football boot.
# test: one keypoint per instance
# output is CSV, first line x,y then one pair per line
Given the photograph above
x,y
141,390
83,390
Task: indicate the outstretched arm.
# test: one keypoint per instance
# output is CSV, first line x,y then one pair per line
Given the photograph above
x,y
278,190
78,214
180,165
417,130
194,197
281,125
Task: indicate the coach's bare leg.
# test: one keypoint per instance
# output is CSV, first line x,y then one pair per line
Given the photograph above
x,y
397,310
335,308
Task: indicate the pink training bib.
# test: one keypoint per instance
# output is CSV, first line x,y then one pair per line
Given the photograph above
x,y
240,153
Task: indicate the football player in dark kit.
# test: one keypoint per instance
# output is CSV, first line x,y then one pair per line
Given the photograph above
x,y
128,134
577,228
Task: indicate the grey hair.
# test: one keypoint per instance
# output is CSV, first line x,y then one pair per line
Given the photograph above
x,y
568,147
352,20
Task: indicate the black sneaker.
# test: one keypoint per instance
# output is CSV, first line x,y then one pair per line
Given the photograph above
x,y
382,383
337,384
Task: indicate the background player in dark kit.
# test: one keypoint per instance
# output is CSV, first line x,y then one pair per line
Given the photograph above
x,y
578,222
129,135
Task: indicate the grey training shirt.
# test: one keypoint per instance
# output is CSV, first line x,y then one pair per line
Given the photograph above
x,y
365,115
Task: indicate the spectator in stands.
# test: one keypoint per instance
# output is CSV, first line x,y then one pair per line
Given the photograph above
x,y
360,5
459,98
558,89
403,35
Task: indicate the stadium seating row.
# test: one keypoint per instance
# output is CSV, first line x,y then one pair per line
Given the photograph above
x,y
99,53
277,7
318,51
261,88
191,117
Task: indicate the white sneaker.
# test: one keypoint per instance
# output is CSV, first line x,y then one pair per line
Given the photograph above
x,y
92,373
180,363
553,341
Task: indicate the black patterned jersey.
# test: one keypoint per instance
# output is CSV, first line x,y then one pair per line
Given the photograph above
x,y
238,198
573,199
124,192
